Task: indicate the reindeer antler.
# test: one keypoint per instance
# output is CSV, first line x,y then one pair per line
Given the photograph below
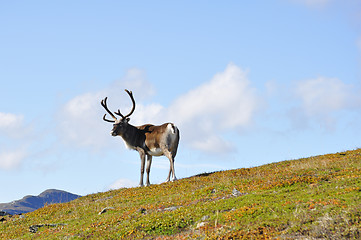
x,y
104,104
133,108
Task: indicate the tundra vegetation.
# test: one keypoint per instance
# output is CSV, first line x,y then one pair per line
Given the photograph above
x,y
315,197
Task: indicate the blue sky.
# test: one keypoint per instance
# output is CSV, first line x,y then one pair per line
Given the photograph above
x,y
247,83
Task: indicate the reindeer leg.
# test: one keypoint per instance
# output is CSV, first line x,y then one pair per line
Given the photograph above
x,y
169,155
142,163
149,163
173,169
168,178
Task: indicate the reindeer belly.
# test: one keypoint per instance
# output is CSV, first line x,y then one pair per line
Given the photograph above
x,y
155,152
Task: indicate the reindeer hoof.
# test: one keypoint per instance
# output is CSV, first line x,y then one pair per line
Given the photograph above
x,y
168,180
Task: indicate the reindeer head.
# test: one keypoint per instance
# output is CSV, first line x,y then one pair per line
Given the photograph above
x,y
120,125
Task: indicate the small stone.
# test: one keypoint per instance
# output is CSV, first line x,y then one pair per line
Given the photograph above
x,y
201,224
142,210
236,193
105,210
171,208
34,228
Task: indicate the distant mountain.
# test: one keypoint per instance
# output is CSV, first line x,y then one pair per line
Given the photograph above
x,y
31,203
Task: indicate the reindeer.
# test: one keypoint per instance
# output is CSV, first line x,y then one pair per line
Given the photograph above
x,y
148,140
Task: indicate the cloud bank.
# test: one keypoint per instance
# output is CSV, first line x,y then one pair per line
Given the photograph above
x,y
321,98
225,105
12,132
324,95
12,159
10,123
227,102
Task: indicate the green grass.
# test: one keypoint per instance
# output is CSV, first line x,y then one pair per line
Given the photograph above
x,y
316,197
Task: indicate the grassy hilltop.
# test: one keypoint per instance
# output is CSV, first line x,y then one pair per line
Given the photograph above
x,y
316,197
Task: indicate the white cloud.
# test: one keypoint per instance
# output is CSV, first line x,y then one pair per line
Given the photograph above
x,y
226,103
12,159
12,125
13,133
323,95
134,80
80,121
227,96
123,183
9,120
151,113
213,144
320,100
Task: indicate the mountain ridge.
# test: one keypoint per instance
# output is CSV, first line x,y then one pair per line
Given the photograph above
x,y
31,203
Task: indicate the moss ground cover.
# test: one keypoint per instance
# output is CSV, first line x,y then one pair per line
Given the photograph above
x,y
316,197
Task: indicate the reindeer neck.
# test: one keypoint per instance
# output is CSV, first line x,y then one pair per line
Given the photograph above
x,y
133,137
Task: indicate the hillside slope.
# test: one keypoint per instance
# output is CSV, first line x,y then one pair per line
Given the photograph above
x,y
316,197
31,203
